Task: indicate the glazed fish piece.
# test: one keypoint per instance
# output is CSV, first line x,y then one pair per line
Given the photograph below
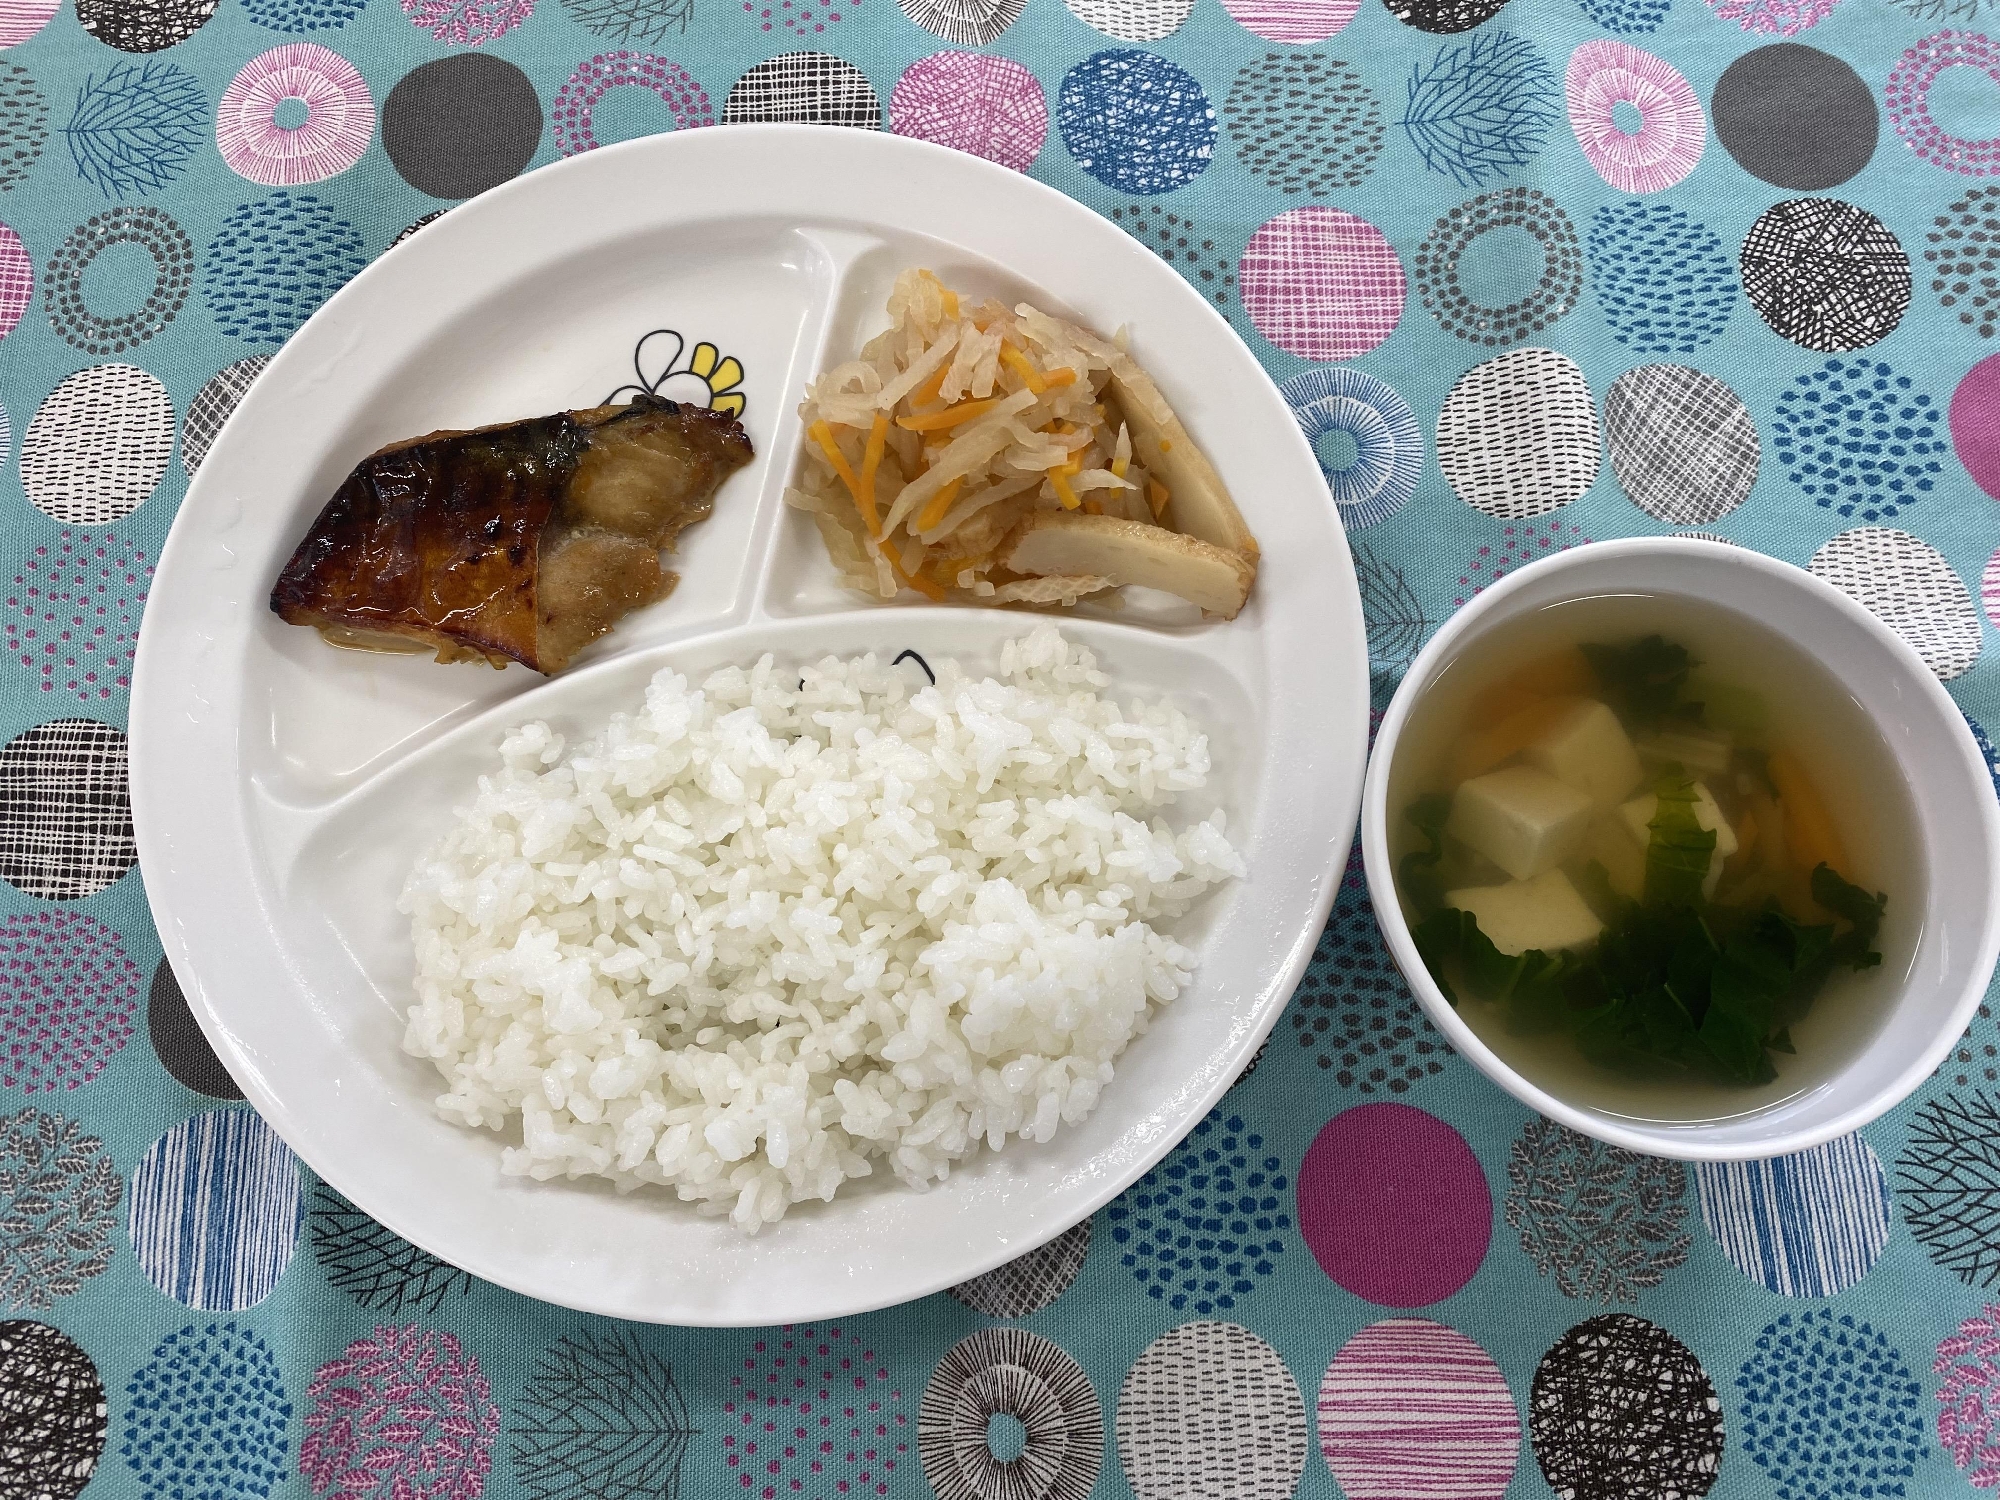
x,y
522,542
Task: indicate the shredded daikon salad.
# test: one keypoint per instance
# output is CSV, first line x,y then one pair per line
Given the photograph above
x,y
955,424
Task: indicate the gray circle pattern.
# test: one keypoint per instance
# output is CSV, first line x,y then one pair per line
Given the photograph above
x,y
1682,444
212,406
459,125
173,277
1558,289
1795,116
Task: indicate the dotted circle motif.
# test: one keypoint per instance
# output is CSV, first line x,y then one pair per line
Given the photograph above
x,y
1203,1226
1964,257
296,17
53,1411
815,1403
408,1407
1136,122
1182,244
456,126
1411,1407
1830,1408
1604,1221
1555,292
1683,445
24,123
143,25
1795,117
1518,435
1826,275
1028,1283
207,1415
971,101
1858,438
804,88
1978,1051
1352,1012
669,82
69,994
275,261
212,405
1672,131
964,23
1444,17
1132,20
96,448
173,277
177,1041
1621,1407
65,810
1519,544
1907,584
59,1192
1321,283
339,122
1210,1409
1810,1225
1010,1372
216,1208
1303,123
1627,244
1908,98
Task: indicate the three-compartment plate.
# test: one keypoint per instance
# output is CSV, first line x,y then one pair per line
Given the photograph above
x,y
281,788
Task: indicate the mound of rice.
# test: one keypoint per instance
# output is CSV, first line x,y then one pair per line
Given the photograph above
x,y
760,936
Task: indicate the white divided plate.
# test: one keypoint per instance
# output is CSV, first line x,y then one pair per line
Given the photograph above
x,y
281,788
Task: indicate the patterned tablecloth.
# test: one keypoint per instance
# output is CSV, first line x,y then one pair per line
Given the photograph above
x,y
1745,251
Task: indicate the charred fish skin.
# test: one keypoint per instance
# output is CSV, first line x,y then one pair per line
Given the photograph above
x,y
518,542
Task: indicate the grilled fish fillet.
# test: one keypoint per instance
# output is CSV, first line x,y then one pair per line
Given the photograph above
x,y
522,542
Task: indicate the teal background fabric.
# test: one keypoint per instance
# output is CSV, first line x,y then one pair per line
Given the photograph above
x,y
1533,274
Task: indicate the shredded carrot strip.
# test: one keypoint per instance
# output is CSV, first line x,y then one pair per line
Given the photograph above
x,y
950,303
823,435
933,513
951,416
1058,478
915,580
1119,465
871,460
1092,508
1157,493
1032,378
1058,378
926,393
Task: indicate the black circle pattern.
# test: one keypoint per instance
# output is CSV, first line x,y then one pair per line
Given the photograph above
x,y
173,277
212,405
1556,291
459,125
143,25
1010,1372
1180,242
1620,1407
1304,124
1028,1283
1353,1014
24,123
177,1040
1795,117
1443,17
1964,257
53,1414
65,810
1826,275
804,88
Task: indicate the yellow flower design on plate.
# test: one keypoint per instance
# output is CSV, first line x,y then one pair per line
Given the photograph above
x,y
722,374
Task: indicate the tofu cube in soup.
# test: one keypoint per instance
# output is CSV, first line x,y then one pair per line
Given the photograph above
x,y
1587,748
1521,818
1544,913
1636,817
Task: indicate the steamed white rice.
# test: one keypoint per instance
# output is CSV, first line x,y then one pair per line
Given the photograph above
x,y
758,938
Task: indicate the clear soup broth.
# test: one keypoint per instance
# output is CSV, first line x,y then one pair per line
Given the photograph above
x,y
1607,820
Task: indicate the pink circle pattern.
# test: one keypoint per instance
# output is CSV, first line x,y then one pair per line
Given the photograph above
x,y
467,23
1410,1407
68,997
1321,283
1520,543
1975,423
974,102
1773,17
1908,98
1672,129
800,17
1969,1397
1394,1206
340,116
1298,22
813,1406
73,615
17,280
578,98
21,19
404,1414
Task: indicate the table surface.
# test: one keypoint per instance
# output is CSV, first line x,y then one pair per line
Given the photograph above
x,y
1741,250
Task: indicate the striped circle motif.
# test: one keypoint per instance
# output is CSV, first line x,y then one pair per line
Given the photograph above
x,y
1810,1225
1989,588
152,231
1440,267
685,99
1411,1407
1826,275
1388,445
65,810
974,102
96,448
965,23
1909,586
21,19
1682,443
340,116
1028,1283
17,280
216,1209
1908,99
1010,1372
1518,435
1210,1410
1672,130
804,88
1297,22
1321,283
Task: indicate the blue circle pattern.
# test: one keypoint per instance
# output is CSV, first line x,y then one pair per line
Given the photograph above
x,y
1830,1409
207,1418
1628,17
299,16
1202,1225
1136,122
1859,439
135,129
275,261
217,1204
1665,281
1388,443
1986,750
1808,1225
